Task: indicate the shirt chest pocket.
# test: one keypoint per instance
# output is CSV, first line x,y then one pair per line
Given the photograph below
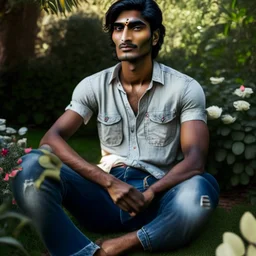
x,y
160,128
110,129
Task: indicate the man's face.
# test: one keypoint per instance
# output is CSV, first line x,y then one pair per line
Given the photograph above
x,y
132,36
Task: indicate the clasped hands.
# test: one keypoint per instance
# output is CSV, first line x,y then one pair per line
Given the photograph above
x,y
129,198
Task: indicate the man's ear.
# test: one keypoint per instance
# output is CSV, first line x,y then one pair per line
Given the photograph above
x,y
155,37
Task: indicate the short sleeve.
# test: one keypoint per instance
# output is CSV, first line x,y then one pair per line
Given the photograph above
x,y
193,103
82,100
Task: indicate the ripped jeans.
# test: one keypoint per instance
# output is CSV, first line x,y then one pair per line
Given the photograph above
x,y
172,220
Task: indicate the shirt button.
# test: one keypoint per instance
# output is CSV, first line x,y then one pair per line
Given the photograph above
x,y
132,130
134,147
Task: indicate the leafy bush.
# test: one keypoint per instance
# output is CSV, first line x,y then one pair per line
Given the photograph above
x,y
232,151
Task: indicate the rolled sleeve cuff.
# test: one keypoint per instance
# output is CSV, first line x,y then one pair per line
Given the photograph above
x,y
80,109
194,115
144,239
88,250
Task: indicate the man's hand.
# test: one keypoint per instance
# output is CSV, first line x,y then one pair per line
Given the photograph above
x,y
127,197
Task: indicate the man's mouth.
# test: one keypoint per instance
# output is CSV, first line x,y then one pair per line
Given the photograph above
x,y
127,46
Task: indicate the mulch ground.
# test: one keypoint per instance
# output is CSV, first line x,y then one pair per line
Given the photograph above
x,y
235,196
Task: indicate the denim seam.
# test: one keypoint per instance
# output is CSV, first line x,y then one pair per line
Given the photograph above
x,y
146,241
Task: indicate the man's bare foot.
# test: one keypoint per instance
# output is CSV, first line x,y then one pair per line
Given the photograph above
x,y
118,246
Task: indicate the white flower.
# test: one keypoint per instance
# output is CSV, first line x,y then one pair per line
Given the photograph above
x,y
228,119
2,121
10,130
22,130
241,105
213,112
2,127
22,142
245,93
217,80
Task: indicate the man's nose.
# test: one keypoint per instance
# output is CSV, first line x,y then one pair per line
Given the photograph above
x,y
125,35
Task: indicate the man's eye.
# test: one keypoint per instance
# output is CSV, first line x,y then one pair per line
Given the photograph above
x,y
137,28
118,28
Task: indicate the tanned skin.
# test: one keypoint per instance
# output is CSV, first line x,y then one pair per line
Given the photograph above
x,y
134,42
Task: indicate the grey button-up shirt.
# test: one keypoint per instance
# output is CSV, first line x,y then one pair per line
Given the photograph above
x,y
151,140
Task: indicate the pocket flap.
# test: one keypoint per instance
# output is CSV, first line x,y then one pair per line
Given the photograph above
x,y
162,117
109,119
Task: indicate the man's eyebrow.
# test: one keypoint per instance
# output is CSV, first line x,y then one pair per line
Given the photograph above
x,y
131,23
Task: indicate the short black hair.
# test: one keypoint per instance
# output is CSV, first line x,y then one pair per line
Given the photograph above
x,y
149,10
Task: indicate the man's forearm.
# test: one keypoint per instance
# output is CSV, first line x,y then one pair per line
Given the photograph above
x,y
75,161
184,170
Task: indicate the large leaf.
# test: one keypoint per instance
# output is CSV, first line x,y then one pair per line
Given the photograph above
x,y
249,138
220,155
235,242
237,136
248,227
238,148
13,242
238,168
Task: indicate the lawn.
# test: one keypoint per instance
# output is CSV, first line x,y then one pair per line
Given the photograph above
x,y
205,245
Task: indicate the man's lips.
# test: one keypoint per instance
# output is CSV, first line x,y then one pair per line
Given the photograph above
x,y
127,46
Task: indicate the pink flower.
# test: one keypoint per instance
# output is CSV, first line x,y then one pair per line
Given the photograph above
x,y
1,170
19,161
4,151
6,178
13,173
242,88
27,150
14,201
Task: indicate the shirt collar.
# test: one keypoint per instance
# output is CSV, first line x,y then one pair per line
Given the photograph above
x,y
157,76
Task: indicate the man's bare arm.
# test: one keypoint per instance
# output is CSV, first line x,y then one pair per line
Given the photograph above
x,y
194,144
125,196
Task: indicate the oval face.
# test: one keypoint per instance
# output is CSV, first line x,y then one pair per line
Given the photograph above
x,y
132,36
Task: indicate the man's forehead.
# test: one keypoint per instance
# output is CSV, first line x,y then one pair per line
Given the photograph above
x,y
130,16
132,20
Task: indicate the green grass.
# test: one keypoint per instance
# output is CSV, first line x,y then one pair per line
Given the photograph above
x,y
205,245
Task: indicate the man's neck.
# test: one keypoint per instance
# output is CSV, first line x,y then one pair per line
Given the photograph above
x,y
134,73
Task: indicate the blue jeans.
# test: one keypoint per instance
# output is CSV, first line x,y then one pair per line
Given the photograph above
x,y
172,220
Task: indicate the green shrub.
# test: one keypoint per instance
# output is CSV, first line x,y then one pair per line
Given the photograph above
x,y
232,153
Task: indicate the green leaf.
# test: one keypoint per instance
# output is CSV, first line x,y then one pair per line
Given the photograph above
x,y
236,126
234,180
244,179
250,152
249,139
248,129
237,136
227,144
230,158
249,170
220,155
224,131
253,164
238,148
238,168
13,242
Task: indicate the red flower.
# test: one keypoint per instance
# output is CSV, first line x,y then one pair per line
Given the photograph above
x,y
19,161
27,150
6,178
4,151
13,173
242,88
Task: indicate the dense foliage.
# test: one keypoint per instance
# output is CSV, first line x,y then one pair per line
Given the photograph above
x,y
203,39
